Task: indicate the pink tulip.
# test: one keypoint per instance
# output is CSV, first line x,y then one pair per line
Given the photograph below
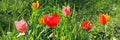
x,y
21,25
66,10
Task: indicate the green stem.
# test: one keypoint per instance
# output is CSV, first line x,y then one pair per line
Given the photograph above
x,y
105,29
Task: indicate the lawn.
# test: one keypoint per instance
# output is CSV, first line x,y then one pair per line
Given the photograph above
x,y
59,19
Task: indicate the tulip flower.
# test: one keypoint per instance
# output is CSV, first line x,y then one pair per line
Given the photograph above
x,y
63,38
86,25
104,18
52,21
66,10
41,20
21,25
35,5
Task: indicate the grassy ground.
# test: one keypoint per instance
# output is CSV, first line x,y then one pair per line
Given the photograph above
x,y
69,27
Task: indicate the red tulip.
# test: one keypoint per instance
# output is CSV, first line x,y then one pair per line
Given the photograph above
x,y
66,10
103,18
52,21
21,25
86,25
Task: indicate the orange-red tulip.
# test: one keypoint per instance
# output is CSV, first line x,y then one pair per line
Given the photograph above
x,y
104,18
35,5
41,20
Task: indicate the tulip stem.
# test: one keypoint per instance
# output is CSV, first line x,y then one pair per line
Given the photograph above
x,y
105,28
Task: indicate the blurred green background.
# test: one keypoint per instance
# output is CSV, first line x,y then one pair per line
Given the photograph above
x,y
12,10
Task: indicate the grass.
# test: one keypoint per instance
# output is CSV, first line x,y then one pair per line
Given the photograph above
x,y
68,28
